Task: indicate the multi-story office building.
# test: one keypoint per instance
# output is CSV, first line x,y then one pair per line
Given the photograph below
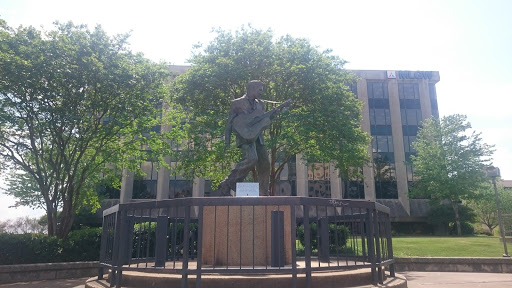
x,y
395,103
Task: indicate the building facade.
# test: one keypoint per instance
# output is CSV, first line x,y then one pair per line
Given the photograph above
x,y
395,103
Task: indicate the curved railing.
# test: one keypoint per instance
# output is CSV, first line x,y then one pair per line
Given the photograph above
x,y
200,236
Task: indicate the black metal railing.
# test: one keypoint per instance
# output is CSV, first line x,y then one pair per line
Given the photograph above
x,y
246,235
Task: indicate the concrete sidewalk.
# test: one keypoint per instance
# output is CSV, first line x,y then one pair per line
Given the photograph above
x,y
414,280
457,280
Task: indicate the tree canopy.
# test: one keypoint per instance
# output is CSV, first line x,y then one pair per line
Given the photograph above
x,y
71,101
450,161
323,124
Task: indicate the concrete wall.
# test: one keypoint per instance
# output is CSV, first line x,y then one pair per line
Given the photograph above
x,y
47,271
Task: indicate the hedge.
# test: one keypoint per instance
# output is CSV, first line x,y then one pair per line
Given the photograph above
x,y
80,245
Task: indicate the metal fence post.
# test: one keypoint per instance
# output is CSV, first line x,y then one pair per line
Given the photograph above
x,y
294,245
277,239
390,246
162,224
323,245
378,258
199,246
103,248
123,245
371,243
186,246
307,244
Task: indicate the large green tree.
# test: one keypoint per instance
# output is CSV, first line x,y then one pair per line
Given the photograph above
x,y
323,123
72,100
450,162
485,205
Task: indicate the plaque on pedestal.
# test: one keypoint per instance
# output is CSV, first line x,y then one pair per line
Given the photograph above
x,y
247,189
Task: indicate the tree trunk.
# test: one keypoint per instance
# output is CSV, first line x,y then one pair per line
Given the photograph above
x,y
455,205
273,183
67,214
51,214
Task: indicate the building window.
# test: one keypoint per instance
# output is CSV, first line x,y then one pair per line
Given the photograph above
x,y
319,184
410,116
144,189
144,186
382,144
377,90
380,117
354,187
385,176
408,91
408,140
180,188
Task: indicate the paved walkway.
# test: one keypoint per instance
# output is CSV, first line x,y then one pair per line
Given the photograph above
x,y
457,280
414,280
61,283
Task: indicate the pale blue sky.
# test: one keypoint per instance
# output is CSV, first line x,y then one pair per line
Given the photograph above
x,y
468,41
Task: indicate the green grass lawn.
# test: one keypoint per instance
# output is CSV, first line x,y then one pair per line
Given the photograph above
x,y
476,246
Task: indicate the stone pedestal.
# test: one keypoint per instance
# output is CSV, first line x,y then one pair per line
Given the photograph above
x,y
241,235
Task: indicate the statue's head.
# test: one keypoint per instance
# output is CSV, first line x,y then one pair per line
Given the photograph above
x,y
255,88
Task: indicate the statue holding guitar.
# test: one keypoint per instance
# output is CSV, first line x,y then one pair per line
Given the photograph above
x,y
247,119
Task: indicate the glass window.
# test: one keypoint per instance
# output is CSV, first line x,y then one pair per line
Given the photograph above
x,y
386,190
413,116
319,184
382,143
380,117
319,188
144,189
318,171
385,178
378,90
410,104
410,116
354,189
408,140
410,130
180,188
408,91
378,103
380,130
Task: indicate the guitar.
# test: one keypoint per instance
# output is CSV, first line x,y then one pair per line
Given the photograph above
x,y
249,126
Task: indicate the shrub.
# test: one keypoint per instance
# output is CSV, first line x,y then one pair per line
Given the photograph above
x,y
342,237
411,228
81,245
466,229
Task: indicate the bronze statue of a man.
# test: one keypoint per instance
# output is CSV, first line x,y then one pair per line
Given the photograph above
x,y
247,119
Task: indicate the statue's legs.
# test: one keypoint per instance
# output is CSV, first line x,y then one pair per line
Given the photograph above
x,y
253,154
238,174
263,168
